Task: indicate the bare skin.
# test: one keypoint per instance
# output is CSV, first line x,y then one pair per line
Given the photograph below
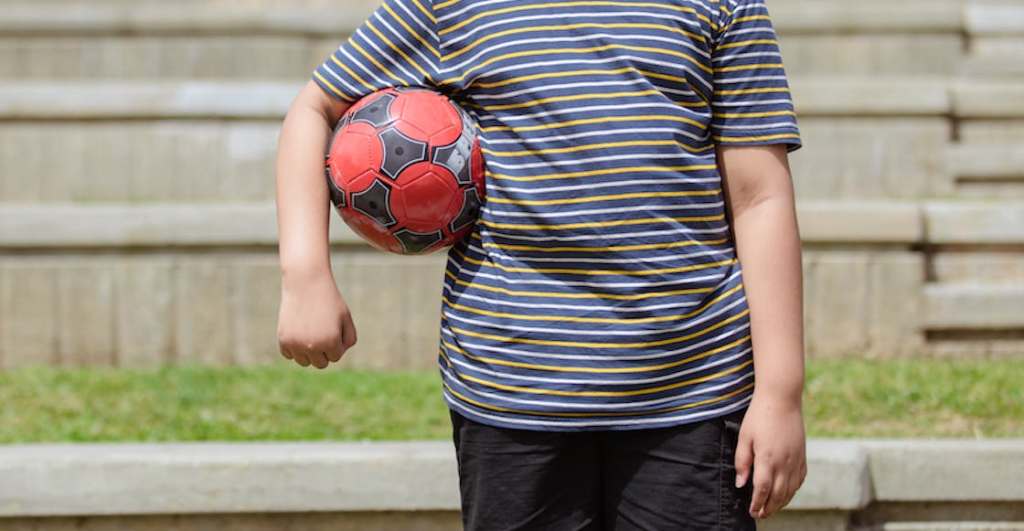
x,y
315,326
761,205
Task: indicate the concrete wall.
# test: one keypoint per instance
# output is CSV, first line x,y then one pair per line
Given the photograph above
x,y
868,485
149,237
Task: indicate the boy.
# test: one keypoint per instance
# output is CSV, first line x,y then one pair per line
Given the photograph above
x,y
599,344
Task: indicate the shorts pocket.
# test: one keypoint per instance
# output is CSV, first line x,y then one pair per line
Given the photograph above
x,y
735,503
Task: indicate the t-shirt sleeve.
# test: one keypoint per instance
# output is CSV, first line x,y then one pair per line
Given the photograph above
x,y
396,46
752,104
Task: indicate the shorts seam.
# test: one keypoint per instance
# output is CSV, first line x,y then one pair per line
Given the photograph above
x,y
721,470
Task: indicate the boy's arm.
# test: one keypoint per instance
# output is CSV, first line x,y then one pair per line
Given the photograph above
x,y
760,198
314,324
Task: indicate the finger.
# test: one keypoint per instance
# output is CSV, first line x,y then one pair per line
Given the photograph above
x,y
762,488
318,359
796,480
286,353
335,353
779,496
348,332
300,358
339,348
744,459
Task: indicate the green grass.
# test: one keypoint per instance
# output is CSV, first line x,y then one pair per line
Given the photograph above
x,y
915,398
194,403
283,402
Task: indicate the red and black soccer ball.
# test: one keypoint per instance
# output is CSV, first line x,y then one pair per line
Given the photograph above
x,y
405,170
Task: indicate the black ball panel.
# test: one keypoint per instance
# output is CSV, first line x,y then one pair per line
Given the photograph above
x,y
378,113
416,242
375,202
400,152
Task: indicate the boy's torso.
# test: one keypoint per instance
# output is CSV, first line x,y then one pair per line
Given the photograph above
x,y
600,288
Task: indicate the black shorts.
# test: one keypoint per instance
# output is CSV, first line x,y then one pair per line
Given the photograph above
x,y
658,479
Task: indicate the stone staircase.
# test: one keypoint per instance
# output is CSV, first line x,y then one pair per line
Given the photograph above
x,y
136,181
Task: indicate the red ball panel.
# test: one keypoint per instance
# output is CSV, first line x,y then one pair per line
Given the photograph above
x,y
354,152
446,136
427,199
361,182
427,112
373,233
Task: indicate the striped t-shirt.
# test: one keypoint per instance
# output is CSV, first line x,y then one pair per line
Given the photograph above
x,y
600,288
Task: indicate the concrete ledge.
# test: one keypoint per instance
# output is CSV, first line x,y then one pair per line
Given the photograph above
x,y
975,307
126,99
859,221
862,96
224,478
204,17
263,100
862,17
54,225
182,18
104,479
993,18
987,161
951,526
988,99
1001,64
188,478
974,222
67,225
946,470
837,479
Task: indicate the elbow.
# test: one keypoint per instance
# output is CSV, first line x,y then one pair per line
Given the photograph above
x,y
757,194
315,99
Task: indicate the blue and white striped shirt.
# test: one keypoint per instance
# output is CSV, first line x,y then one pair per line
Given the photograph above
x,y
600,288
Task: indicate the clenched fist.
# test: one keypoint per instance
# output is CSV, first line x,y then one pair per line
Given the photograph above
x,y
314,325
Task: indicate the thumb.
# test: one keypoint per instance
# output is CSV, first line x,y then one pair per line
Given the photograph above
x,y
744,459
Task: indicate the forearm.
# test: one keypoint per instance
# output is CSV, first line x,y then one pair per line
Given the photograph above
x,y
303,201
768,247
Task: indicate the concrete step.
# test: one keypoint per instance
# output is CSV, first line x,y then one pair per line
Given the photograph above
x,y
853,96
987,161
135,100
127,285
154,57
323,16
948,526
211,141
995,64
190,225
999,99
198,159
993,170
231,482
182,18
991,18
188,478
977,222
228,54
974,306
199,40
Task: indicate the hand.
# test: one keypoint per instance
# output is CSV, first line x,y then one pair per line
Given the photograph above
x,y
314,324
772,439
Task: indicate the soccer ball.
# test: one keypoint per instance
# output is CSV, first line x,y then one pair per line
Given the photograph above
x,y
405,170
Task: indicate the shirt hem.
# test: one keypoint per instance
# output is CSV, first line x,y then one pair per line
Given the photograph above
x,y
738,404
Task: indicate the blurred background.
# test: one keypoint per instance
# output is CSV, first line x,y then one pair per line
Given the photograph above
x,y
137,226
139,280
